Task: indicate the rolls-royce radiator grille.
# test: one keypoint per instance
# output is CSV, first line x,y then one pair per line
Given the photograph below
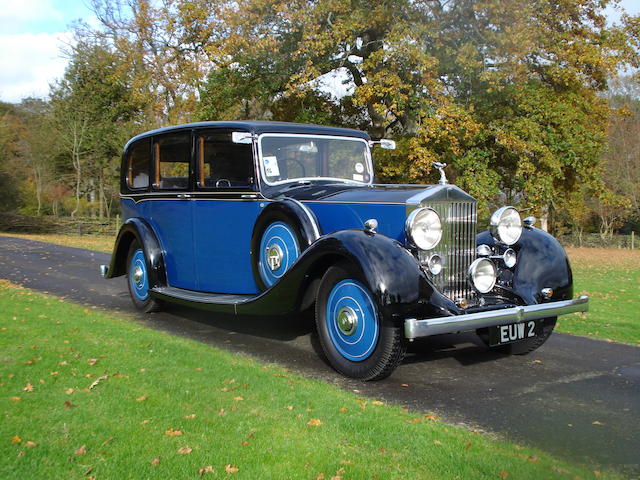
x,y
457,247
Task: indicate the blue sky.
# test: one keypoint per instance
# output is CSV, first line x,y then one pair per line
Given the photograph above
x,y
32,33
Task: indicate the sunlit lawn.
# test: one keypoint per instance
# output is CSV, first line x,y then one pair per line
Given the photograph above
x,y
611,278
83,395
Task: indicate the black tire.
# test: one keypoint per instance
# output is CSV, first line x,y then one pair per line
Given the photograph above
x,y
385,352
144,303
522,347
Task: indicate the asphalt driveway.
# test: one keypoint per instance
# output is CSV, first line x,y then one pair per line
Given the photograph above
x,y
575,397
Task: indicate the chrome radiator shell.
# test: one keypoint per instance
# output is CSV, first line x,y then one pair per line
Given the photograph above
x,y
459,216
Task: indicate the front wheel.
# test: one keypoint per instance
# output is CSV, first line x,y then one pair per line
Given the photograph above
x,y
356,339
138,280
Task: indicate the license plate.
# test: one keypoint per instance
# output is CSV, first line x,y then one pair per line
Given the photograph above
x,y
503,334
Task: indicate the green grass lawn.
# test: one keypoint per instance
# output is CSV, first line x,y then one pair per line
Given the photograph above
x,y
611,278
86,395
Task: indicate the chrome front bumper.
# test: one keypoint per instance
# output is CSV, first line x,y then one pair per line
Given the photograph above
x,y
414,328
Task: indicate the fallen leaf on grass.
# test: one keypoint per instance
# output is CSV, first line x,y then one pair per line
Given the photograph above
x,y
504,475
221,412
314,422
155,461
141,399
600,424
377,402
343,410
437,442
173,433
81,451
231,469
30,444
16,439
68,404
28,388
533,459
98,380
320,476
238,399
92,361
69,391
414,420
184,450
107,441
15,399
207,469
431,418
190,417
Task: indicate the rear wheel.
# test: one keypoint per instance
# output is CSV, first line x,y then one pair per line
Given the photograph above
x,y
138,280
356,339
522,347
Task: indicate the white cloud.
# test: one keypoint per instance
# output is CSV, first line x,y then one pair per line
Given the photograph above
x,y
17,15
29,62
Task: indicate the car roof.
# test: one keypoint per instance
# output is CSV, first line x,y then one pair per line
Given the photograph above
x,y
257,126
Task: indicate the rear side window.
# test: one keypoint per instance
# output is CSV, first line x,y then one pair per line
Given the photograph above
x,y
223,164
137,165
172,154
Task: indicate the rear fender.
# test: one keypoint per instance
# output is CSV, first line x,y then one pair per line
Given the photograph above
x,y
138,229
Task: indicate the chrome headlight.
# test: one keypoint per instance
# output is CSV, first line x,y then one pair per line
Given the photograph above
x,y
506,226
482,273
424,228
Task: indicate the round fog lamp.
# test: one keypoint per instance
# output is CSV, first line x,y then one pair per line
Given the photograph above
x,y
483,275
435,264
509,258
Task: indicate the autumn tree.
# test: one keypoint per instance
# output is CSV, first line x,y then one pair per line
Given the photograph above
x,y
507,93
94,112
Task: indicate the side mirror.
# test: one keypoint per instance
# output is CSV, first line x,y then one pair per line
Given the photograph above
x,y
386,144
241,137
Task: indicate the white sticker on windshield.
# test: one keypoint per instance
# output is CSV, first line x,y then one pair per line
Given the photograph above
x,y
358,177
271,166
359,167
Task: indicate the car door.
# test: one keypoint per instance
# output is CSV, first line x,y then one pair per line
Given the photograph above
x,y
225,211
171,206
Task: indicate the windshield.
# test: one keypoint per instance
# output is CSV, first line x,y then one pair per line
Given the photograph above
x,y
310,157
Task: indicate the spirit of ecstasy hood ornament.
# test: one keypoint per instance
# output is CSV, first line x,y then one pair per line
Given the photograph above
x,y
440,166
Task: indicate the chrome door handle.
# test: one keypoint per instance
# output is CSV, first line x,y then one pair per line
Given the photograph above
x,y
184,196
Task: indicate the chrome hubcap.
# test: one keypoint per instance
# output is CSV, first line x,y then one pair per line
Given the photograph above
x,y
274,256
137,275
347,321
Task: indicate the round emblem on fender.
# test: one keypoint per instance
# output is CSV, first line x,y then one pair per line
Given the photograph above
x,y
274,256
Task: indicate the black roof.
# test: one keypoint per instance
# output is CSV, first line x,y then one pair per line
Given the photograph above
x,y
256,126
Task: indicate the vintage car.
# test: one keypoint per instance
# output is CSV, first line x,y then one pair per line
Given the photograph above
x,y
269,218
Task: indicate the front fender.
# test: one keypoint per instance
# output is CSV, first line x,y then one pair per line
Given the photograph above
x,y
541,263
390,271
138,229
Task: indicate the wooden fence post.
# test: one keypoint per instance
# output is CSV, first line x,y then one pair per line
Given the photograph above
x,y
633,238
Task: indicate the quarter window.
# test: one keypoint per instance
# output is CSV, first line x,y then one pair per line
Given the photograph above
x,y
222,163
138,164
172,155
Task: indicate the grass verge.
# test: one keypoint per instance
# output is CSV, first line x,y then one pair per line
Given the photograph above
x,y
611,278
83,394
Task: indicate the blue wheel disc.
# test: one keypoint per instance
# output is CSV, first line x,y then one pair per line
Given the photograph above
x,y
278,251
352,320
138,277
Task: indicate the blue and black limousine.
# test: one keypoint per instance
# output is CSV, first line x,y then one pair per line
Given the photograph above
x,y
270,218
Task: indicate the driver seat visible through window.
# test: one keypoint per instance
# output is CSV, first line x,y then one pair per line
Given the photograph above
x,y
222,163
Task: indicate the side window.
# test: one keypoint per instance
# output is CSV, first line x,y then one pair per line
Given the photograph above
x,y
172,156
222,163
137,165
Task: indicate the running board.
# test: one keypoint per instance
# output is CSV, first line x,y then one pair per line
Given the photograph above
x,y
223,302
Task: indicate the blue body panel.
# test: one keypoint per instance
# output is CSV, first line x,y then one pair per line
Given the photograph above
x,y
172,220
334,216
223,231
